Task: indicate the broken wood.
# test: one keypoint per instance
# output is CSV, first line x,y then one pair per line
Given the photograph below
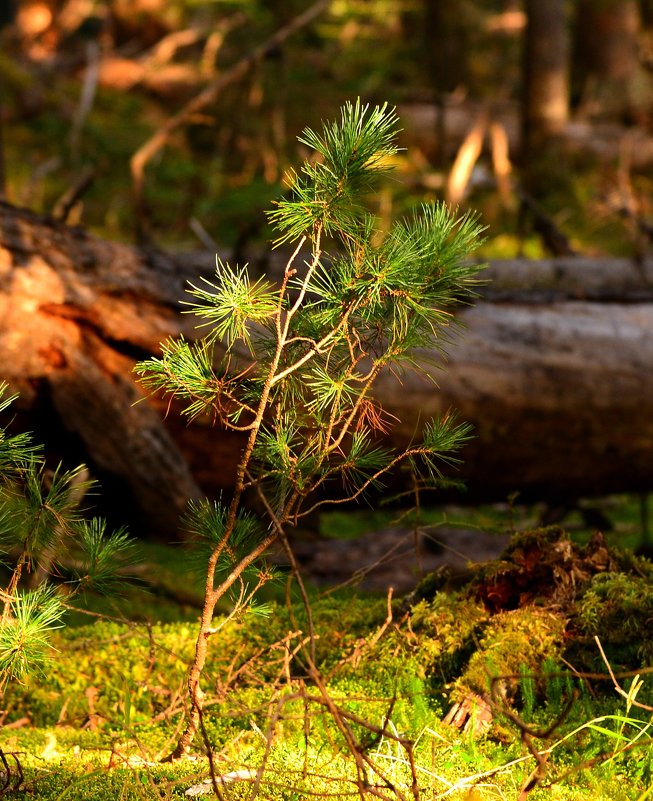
x,y
552,368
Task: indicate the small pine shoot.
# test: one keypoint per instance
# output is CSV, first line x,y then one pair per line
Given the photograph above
x,y
44,535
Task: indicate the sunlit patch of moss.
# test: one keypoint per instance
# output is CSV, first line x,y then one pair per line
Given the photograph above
x,y
395,682
514,640
106,672
446,631
400,677
134,670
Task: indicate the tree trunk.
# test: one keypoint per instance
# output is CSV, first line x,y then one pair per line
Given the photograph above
x,y
546,73
607,58
75,314
553,370
444,38
560,396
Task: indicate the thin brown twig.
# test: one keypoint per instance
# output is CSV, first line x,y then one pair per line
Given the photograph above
x,y
73,194
294,564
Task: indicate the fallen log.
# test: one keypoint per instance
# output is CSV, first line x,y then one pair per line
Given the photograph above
x,y
75,314
560,396
553,370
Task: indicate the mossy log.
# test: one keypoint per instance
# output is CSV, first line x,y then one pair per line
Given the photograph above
x,y
553,370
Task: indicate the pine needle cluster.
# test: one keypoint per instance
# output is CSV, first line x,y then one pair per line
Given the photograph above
x,y
296,363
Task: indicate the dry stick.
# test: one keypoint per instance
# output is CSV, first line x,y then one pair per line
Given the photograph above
x,y
3,170
501,162
269,740
278,525
355,657
89,88
336,713
166,48
314,673
209,752
215,42
616,684
468,155
68,200
9,595
359,574
342,715
143,155
369,482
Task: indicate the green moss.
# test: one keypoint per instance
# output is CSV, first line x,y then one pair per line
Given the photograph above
x,y
512,641
618,608
136,669
446,631
401,682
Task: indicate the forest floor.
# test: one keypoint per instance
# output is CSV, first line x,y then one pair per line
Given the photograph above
x,y
516,679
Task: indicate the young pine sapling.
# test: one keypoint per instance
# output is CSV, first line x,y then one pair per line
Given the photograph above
x,y
292,365
43,534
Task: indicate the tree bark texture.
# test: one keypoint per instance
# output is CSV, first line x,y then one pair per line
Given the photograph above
x,y
75,314
608,61
560,396
552,366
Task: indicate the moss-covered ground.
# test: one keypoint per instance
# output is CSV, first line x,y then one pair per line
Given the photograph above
x,y
514,648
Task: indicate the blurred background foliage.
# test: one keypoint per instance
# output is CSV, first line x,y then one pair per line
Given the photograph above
x,y
85,83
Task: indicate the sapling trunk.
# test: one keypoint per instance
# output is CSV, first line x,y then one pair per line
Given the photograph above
x,y
213,594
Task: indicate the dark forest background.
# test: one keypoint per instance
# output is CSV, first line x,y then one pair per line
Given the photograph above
x,y
537,113
138,138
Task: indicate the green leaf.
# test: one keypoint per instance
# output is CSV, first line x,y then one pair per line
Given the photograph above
x,y
16,452
207,521
359,144
105,556
442,437
363,461
330,389
184,370
353,152
41,508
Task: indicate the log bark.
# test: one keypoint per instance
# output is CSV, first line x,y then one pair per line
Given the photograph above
x,y
560,396
553,369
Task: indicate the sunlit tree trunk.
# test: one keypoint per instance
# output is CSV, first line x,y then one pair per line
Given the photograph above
x,y
446,46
